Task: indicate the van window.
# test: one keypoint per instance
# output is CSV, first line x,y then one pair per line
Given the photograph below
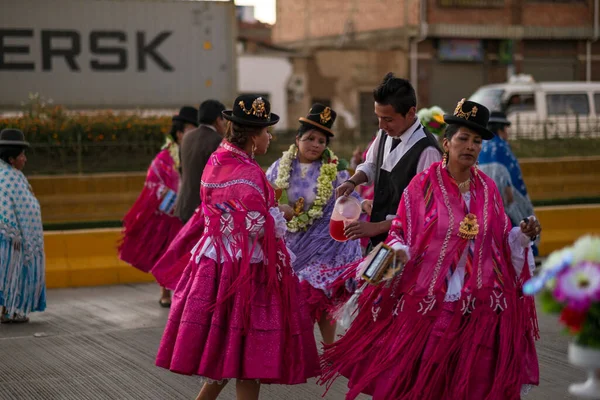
x,y
491,98
567,103
597,103
520,102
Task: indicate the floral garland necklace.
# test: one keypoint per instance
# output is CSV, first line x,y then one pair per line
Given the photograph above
x,y
173,150
327,174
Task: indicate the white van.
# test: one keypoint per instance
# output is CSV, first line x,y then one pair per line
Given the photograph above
x,y
541,110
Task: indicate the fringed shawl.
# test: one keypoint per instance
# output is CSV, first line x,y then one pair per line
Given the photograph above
x,y
395,320
22,262
147,231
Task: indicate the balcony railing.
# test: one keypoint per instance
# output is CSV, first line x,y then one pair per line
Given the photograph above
x,y
472,3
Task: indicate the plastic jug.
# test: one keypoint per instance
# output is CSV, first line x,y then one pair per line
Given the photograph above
x,y
347,210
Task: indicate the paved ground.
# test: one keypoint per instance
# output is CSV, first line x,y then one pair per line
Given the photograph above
x,y
99,343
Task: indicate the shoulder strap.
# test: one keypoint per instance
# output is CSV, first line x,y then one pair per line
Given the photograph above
x,y
380,154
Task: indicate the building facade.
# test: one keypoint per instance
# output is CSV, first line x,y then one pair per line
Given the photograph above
x,y
447,48
262,67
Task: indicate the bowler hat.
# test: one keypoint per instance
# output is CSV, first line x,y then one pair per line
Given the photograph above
x,y
471,115
321,118
499,118
12,137
253,110
188,115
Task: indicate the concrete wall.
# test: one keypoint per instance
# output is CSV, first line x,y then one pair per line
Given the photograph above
x,y
89,257
101,197
266,74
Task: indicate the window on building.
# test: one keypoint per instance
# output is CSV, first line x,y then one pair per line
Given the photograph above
x,y
491,98
597,102
567,104
471,3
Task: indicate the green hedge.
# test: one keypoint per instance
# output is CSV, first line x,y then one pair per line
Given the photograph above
x,y
70,142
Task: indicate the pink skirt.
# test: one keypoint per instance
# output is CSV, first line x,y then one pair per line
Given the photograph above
x,y
317,302
481,377
145,241
243,336
440,357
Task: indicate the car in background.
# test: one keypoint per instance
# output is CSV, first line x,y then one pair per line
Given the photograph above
x,y
541,110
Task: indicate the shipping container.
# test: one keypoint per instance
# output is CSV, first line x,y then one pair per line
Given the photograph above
x,y
118,54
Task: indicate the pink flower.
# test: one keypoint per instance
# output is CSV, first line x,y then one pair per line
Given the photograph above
x,y
579,286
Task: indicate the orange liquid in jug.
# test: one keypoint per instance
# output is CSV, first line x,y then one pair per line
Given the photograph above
x,y
336,230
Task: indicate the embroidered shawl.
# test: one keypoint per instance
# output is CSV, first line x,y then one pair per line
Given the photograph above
x,y
395,320
22,262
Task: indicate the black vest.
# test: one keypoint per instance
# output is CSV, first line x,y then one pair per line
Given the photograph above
x,y
390,185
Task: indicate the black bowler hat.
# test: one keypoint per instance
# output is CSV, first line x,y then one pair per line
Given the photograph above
x,y
253,110
12,137
188,115
321,118
472,115
498,118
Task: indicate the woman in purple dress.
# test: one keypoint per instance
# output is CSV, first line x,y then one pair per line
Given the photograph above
x,y
306,176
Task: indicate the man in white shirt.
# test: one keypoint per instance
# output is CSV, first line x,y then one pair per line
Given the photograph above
x,y
403,148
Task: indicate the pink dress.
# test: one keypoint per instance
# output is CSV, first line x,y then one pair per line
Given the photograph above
x,y
237,311
428,335
148,231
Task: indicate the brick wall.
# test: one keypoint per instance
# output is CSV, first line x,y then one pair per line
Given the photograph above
x,y
557,14
328,18
515,12
470,16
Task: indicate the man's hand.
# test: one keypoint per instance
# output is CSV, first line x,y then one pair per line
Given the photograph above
x,y
287,210
345,189
361,229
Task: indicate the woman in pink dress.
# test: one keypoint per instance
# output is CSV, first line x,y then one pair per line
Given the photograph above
x,y
236,310
150,226
452,323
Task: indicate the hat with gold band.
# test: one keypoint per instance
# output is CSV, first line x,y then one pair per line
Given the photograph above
x,y
253,110
321,118
473,115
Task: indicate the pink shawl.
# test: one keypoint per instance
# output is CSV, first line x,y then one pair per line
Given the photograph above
x,y
394,321
146,231
236,199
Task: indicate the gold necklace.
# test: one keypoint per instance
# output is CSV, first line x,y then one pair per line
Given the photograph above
x,y
461,185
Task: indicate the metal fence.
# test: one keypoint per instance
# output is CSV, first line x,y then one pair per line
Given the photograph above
x,y
555,127
135,152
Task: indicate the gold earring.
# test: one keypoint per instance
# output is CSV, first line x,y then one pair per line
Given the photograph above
x,y
445,159
253,150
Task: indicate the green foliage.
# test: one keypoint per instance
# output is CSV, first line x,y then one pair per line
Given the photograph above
x,y
549,304
590,332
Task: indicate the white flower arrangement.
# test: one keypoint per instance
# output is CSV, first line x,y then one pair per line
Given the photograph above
x,y
327,174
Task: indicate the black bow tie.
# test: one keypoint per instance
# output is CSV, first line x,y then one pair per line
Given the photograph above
x,y
395,143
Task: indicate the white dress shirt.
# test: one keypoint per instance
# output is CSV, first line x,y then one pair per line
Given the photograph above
x,y
411,136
